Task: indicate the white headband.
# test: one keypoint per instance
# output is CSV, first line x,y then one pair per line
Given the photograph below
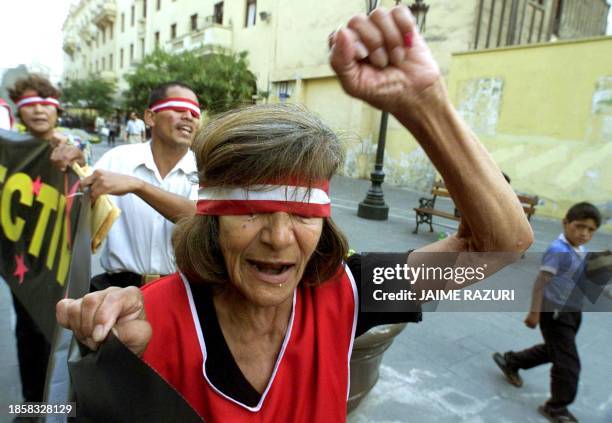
x,y
306,201
33,99
177,104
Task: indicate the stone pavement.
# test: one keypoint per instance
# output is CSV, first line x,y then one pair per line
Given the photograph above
x,y
439,370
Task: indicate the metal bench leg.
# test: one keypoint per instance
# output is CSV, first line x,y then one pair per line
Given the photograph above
x,y
416,230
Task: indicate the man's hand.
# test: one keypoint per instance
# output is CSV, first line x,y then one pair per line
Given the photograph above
x,y
118,309
57,139
532,319
382,59
105,182
64,154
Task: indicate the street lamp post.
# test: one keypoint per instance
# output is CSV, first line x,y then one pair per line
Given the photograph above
x,y
419,11
373,207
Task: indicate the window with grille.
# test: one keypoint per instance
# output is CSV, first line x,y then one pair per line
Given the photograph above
x,y
172,31
284,90
193,22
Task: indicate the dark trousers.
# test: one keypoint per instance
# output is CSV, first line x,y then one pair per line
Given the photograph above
x,y
111,137
121,279
559,330
33,351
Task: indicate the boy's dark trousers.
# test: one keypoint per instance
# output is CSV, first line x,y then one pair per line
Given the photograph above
x,y
559,330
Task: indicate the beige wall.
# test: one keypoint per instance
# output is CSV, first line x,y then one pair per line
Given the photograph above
x,y
449,28
545,113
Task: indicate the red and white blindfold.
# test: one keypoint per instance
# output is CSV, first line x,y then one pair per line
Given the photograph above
x,y
178,104
33,100
293,199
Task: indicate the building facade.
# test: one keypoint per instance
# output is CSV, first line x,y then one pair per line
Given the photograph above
x,y
500,23
107,37
286,41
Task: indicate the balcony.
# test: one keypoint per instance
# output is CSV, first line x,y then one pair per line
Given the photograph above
x,y
70,44
86,32
206,40
214,36
108,75
105,15
178,44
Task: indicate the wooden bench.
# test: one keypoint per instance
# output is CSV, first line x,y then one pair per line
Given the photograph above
x,y
427,207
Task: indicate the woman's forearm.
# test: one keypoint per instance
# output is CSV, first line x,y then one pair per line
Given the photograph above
x,y
489,208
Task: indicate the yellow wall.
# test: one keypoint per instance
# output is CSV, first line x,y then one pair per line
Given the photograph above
x,y
545,113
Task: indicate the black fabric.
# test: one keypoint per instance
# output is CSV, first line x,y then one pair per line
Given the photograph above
x,y
559,331
368,320
121,279
33,353
221,368
114,385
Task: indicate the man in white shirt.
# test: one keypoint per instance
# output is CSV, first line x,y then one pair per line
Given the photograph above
x,y
135,129
154,184
6,116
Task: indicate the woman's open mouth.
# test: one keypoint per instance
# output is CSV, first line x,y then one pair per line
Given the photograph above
x,y
271,272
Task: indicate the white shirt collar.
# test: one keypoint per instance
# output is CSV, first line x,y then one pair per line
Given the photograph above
x,y
579,249
187,163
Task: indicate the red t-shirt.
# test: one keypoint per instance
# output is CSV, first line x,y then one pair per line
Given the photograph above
x,y
310,381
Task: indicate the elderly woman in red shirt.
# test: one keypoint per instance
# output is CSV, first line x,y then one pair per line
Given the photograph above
x,y
260,321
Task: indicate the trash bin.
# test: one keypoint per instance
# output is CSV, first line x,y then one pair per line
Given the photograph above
x,y
368,352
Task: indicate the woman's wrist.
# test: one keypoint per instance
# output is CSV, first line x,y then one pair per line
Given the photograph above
x,y
431,103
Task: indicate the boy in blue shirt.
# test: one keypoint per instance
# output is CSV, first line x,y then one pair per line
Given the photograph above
x,y
555,306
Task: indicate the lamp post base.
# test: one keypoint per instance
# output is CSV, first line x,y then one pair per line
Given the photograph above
x,y
373,206
373,211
